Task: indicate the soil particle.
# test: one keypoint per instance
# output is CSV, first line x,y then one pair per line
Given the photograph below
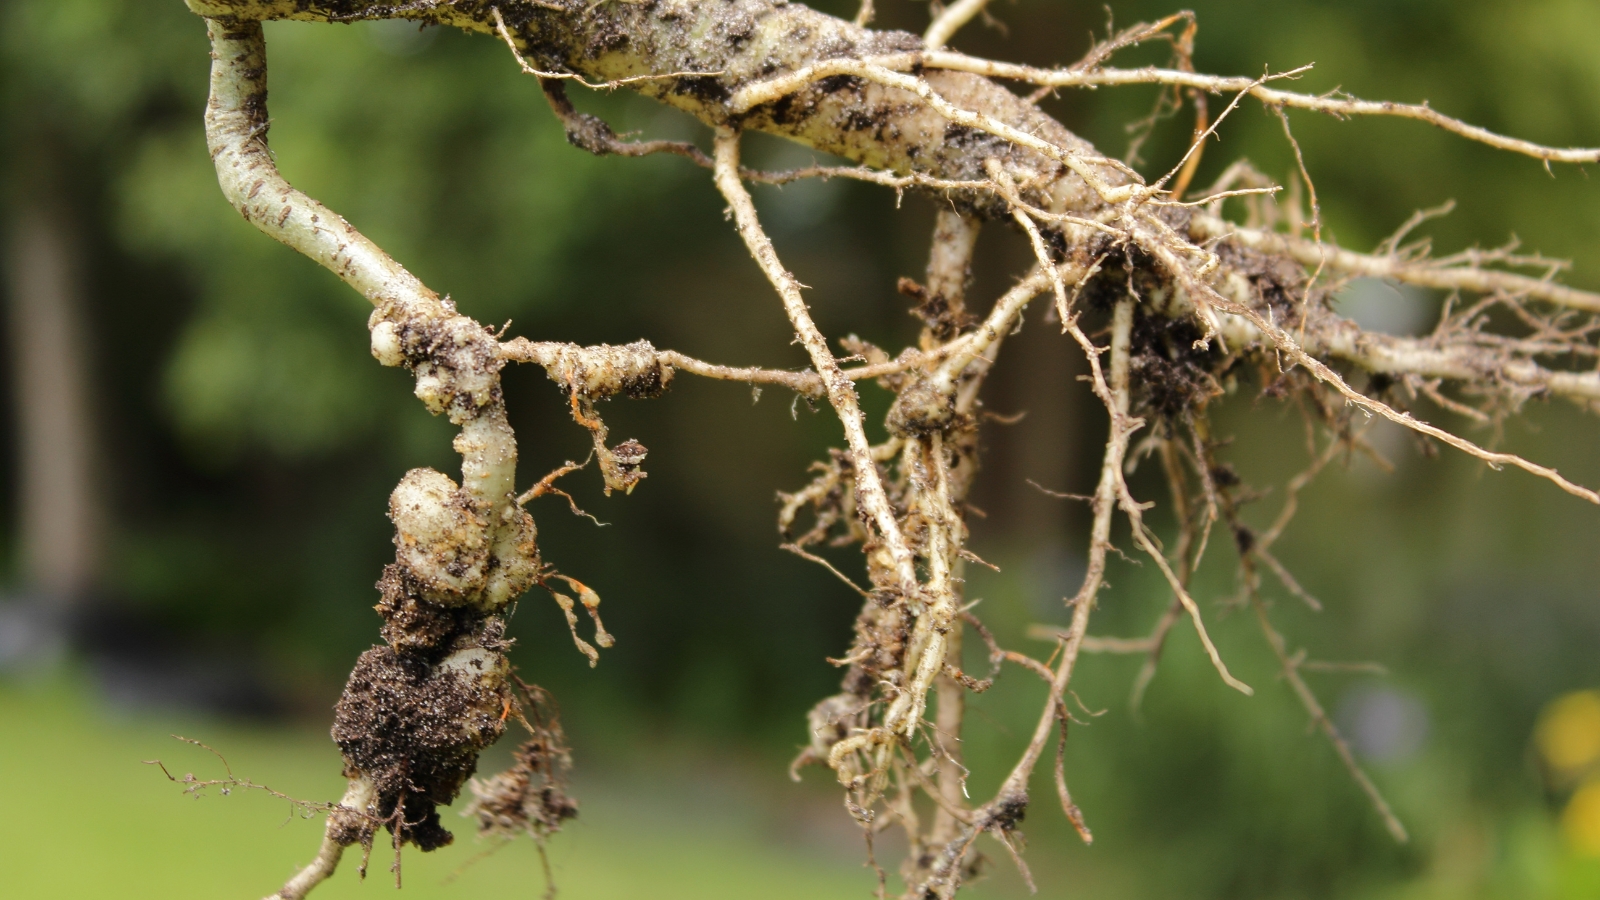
x,y
833,84
859,120
792,109
705,88
1169,375
411,624
609,35
1278,281
972,141
1010,812
1244,538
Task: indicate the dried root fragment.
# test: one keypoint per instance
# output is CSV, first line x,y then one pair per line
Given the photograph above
x,y
584,647
831,502
591,605
526,798
829,722
623,464
530,796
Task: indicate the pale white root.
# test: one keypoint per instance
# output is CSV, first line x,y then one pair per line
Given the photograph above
x,y
357,798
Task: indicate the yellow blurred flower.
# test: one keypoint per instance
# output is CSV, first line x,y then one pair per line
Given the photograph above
x,y
1568,739
1581,820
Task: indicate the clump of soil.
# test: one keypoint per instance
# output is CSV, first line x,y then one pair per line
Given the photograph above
x,y
1171,375
415,730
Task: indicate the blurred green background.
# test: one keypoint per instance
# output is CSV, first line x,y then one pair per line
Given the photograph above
x,y
208,569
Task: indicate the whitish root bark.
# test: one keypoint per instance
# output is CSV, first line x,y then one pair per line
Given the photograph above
x,y
840,390
356,803
1187,299
315,872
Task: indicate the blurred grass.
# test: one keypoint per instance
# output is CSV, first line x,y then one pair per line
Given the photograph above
x,y
90,820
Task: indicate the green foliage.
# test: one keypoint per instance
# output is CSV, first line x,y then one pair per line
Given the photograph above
x,y
134,836
440,151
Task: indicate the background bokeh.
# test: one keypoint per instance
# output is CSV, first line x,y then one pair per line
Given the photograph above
x,y
242,442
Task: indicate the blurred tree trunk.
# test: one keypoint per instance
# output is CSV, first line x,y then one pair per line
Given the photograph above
x,y
59,504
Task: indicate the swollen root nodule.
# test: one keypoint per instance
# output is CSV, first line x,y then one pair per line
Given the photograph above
x,y
415,714
1172,304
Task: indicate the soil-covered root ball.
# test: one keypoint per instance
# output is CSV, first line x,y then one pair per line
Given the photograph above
x,y
415,730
